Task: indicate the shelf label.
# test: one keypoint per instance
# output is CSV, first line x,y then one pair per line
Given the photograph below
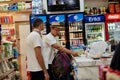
x,y
89,19
112,16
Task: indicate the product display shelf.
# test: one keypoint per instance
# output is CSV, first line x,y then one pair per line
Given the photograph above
x,y
112,2
17,11
6,74
7,23
6,3
8,66
94,40
94,32
6,58
72,31
76,38
13,1
61,39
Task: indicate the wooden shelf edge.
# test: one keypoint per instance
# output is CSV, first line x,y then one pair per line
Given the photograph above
x,y
17,11
13,1
72,31
6,73
5,2
7,23
6,58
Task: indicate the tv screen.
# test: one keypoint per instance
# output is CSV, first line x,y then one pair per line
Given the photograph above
x,y
63,5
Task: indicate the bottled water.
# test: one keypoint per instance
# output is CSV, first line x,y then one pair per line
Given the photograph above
x,y
75,70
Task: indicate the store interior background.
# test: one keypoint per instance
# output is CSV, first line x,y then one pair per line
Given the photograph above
x,y
22,26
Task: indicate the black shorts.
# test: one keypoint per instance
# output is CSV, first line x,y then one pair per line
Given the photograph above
x,y
39,75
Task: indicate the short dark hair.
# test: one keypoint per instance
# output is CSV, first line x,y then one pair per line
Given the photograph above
x,y
37,22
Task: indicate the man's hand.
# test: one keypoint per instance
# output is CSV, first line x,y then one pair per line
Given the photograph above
x,y
75,54
46,76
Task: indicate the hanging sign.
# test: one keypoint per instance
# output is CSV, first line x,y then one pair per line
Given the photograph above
x,y
113,17
57,18
91,19
75,17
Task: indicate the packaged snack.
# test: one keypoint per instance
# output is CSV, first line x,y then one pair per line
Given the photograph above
x,y
117,8
111,8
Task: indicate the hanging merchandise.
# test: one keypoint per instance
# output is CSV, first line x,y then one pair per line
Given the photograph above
x,y
37,7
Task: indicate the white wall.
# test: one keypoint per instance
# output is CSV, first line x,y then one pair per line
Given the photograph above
x,y
96,3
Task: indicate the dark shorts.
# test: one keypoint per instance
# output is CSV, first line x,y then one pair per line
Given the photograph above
x,y
39,75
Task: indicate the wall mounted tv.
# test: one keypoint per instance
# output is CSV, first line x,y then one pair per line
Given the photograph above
x,y
63,5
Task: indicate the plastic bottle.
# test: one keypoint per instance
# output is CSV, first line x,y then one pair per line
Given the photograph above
x,y
75,70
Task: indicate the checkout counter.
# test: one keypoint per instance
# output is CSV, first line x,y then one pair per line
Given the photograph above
x,y
88,68
90,64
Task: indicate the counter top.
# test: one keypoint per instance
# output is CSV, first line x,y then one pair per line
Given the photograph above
x,y
89,62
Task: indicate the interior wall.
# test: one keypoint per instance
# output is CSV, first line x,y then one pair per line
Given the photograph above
x,y
24,31
21,17
96,3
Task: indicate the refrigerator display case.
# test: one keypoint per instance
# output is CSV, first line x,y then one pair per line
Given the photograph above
x,y
112,25
94,28
76,31
44,18
61,19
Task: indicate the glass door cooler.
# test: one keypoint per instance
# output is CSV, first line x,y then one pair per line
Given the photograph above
x,y
94,28
112,25
61,19
75,23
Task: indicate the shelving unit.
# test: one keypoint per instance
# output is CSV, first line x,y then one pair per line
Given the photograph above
x,y
24,10
13,1
7,58
76,38
76,35
17,11
6,74
72,31
17,15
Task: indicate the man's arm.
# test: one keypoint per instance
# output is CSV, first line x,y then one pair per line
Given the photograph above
x,y
41,61
60,48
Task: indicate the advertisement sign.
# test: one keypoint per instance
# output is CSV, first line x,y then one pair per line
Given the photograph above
x,y
112,16
57,18
75,17
91,19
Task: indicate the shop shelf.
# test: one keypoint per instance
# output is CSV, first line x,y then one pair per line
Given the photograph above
x,y
17,11
94,33
61,39
77,38
112,2
7,23
12,1
6,58
6,74
75,31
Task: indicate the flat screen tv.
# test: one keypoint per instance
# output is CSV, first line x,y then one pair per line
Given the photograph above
x,y
63,5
